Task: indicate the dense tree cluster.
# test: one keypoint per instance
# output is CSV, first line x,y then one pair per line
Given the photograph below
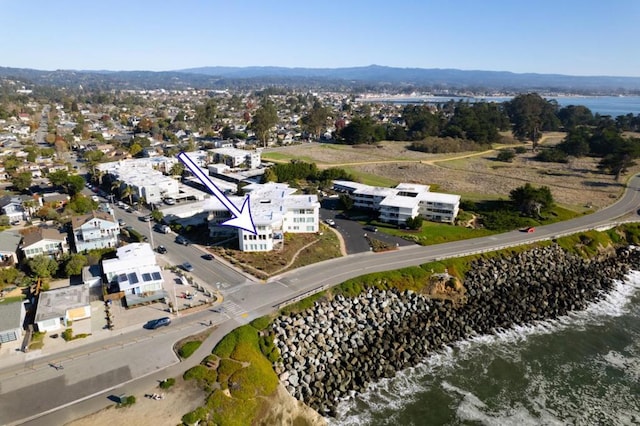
x,y
530,115
598,137
300,170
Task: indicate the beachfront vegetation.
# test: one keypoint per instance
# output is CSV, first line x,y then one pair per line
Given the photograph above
x,y
238,375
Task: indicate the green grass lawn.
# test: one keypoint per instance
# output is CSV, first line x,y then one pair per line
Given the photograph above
x,y
436,233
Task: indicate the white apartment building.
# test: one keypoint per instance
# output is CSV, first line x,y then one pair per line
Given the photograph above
x,y
145,177
234,157
405,201
275,210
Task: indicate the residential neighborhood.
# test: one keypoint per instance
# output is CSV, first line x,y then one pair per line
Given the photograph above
x,y
72,169
104,228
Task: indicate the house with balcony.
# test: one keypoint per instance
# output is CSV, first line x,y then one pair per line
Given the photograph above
x,y
45,241
275,209
406,200
95,230
237,158
13,208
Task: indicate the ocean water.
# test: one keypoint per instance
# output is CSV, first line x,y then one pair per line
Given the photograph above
x,y
581,369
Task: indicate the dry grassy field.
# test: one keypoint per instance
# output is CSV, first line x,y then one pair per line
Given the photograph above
x,y
473,175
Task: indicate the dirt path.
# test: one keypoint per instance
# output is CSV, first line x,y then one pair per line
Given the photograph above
x,y
293,259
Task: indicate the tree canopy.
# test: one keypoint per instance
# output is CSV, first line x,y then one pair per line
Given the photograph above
x,y
316,120
531,201
530,115
263,120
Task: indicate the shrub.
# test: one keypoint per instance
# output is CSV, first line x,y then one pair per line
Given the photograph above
x,y
225,346
414,223
552,155
520,149
200,373
506,155
167,383
188,349
127,401
195,416
261,323
67,335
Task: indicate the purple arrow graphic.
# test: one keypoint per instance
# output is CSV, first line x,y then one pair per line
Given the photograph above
x,y
241,218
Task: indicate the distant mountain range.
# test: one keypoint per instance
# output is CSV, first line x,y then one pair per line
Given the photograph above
x,y
370,77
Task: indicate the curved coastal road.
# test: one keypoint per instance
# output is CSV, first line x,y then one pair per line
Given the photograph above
x,y
256,299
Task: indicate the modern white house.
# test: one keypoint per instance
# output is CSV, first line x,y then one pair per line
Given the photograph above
x,y
47,241
406,200
95,230
275,209
57,308
136,273
235,158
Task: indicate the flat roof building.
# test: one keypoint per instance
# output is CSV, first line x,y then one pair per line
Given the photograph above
x,y
275,209
406,200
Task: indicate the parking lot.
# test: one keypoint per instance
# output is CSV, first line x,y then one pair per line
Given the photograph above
x,y
353,232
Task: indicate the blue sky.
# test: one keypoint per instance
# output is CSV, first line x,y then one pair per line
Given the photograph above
x,y
560,36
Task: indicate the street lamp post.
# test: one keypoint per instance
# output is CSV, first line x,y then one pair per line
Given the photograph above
x,y
175,302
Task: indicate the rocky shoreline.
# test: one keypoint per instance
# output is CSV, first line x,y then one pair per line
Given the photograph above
x,y
341,345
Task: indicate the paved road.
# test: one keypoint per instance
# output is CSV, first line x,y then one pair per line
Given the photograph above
x,y
246,301
208,271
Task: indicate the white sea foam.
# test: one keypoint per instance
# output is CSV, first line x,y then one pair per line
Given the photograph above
x,y
397,392
471,408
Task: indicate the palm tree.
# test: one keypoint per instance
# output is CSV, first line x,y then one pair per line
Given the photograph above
x,y
127,192
97,175
115,186
141,202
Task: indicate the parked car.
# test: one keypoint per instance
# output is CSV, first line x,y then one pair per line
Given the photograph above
x,y
182,240
370,228
187,267
165,229
330,222
156,323
169,201
146,218
161,249
121,222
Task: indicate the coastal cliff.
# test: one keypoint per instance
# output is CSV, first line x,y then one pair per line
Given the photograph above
x,y
340,345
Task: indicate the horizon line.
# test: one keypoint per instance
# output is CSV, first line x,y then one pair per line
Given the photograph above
x,y
323,68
